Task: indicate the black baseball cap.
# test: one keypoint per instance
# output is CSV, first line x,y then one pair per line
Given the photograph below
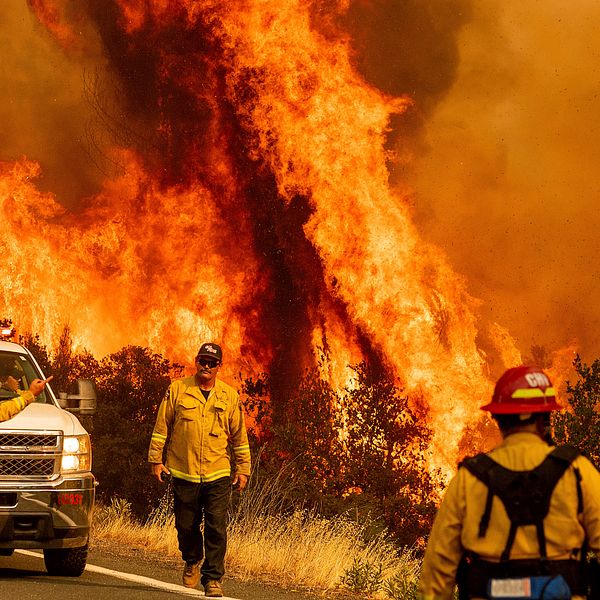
x,y
210,350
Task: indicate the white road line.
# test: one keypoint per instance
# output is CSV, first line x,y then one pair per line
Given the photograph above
x,y
155,583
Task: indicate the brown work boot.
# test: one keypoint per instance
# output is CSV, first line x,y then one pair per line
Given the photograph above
x,y
213,588
191,574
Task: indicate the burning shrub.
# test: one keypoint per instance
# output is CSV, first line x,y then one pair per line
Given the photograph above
x,y
361,451
580,426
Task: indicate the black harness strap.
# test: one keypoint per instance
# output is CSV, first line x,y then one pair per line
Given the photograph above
x,y
485,518
509,542
579,492
524,494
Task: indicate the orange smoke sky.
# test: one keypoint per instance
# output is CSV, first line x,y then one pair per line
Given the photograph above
x,y
504,153
508,182
44,111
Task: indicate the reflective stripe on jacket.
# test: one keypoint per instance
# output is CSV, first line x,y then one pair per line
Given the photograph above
x,y
199,431
456,525
10,408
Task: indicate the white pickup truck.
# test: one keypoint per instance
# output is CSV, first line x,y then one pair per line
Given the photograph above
x,y
46,486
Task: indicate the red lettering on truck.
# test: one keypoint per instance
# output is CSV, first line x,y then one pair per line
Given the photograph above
x,y
70,499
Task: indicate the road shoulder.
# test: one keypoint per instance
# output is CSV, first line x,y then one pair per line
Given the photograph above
x,y
150,564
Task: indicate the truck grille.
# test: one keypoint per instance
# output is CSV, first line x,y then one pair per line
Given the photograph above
x,y
30,455
27,440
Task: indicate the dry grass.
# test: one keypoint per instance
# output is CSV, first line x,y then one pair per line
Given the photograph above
x,y
115,523
303,549
294,548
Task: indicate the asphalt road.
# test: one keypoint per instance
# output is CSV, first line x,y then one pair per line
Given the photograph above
x,y
110,576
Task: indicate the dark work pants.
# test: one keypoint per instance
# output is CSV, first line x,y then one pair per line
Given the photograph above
x,y
193,503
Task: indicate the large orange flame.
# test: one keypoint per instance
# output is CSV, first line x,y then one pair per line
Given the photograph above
x,y
259,213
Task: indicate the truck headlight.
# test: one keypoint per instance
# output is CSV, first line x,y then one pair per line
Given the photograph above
x,y
77,454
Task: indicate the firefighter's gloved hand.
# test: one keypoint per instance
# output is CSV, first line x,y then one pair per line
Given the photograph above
x,y
239,481
37,385
159,471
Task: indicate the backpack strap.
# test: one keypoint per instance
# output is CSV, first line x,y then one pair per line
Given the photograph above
x,y
585,546
567,453
480,466
524,494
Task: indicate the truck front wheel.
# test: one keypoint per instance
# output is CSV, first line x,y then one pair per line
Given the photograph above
x,y
69,562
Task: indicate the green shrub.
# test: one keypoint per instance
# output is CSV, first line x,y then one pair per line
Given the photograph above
x,y
363,577
400,588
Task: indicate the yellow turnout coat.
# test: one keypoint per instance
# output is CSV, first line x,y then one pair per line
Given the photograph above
x,y
9,408
199,431
456,526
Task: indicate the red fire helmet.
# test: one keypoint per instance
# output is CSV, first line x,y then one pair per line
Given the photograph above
x,y
523,390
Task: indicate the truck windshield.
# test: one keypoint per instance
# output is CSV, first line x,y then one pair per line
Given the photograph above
x,y
16,374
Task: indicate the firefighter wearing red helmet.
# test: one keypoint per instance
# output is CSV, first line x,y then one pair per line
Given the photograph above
x,y
517,522
523,390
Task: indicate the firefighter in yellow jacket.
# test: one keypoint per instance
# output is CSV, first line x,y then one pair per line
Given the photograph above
x,y
200,416
516,523
13,406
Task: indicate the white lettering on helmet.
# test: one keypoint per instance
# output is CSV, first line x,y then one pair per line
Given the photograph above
x,y
537,380
211,349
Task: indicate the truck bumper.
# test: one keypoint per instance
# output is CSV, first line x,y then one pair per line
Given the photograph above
x,y
55,514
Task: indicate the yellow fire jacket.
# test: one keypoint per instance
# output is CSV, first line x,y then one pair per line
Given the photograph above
x,y
456,525
199,431
10,408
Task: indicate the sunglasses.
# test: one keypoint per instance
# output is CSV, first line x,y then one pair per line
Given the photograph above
x,y
207,362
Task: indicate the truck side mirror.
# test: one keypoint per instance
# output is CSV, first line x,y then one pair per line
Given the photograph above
x,y
83,402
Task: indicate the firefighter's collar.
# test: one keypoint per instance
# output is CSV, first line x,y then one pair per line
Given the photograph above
x,y
196,391
522,437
